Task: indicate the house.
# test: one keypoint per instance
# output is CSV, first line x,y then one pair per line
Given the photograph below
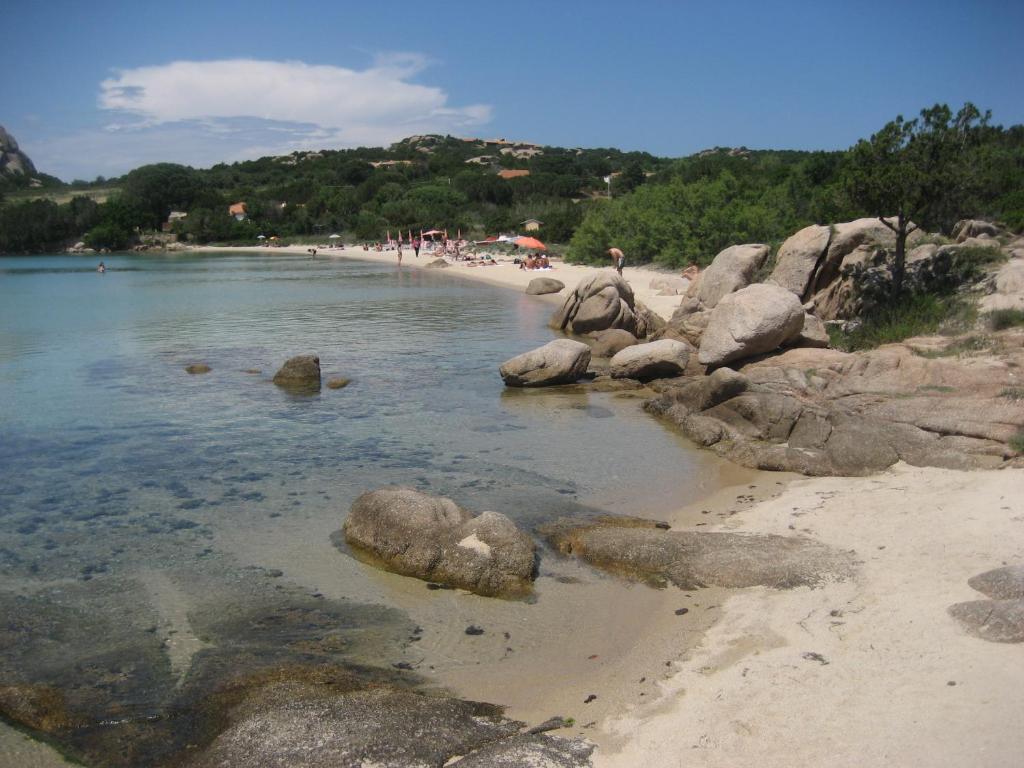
x,y
513,174
238,210
389,163
173,219
522,153
531,225
481,160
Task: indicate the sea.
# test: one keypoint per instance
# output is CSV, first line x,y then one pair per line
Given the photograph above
x,y
150,516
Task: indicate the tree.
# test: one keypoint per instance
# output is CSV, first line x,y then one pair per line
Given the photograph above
x,y
915,173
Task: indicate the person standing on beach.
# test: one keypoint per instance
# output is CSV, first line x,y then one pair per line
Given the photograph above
x,y
399,253
416,247
618,259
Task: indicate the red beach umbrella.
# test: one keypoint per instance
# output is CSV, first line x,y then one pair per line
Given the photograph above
x,y
531,243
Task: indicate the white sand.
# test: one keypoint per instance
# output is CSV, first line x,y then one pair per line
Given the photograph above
x,y
504,273
748,697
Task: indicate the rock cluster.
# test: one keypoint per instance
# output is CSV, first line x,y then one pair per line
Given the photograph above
x,y
601,302
432,538
824,412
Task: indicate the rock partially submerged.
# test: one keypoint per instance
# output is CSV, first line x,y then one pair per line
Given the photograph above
x,y
540,286
299,373
653,360
562,361
644,550
437,264
432,538
308,727
196,368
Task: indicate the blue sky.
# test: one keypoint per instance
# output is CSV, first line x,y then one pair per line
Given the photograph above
x,y
97,87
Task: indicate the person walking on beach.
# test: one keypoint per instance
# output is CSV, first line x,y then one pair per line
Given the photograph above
x,y
618,259
399,253
416,247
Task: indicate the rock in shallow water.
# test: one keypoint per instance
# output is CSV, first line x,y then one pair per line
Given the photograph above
x,y
562,361
543,285
432,538
299,373
653,360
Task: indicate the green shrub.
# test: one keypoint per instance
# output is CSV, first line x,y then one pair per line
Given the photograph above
x,y
915,315
1005,318
1017,442
1013,393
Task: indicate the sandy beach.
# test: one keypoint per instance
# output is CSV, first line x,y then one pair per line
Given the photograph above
x,y
503,273
867,672
870,672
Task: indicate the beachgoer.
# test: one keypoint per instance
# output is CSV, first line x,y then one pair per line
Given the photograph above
x,y
618,259
102,267
399,253
416,247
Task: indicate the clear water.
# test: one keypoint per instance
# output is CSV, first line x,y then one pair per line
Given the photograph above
x,y
131,491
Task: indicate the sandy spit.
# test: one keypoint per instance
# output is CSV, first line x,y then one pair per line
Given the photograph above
x,y
872,672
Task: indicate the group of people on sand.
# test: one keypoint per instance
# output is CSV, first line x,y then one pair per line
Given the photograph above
x,y
535,261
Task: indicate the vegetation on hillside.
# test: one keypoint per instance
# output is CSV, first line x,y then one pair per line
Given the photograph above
x,y
671,212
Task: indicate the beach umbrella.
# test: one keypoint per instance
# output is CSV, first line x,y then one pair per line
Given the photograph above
x,y
531,243
261,237
410,235
334,237
459,236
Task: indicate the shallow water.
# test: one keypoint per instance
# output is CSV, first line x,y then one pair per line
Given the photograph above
x,y
149,514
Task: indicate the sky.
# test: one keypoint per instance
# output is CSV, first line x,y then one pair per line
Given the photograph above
x,y
98,88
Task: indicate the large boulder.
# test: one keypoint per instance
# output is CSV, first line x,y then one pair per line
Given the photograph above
x,y
607,343
432,538
562,361
966,228
732,269
653,360
13,162
299,373
798,258
543,285
599,302
847,237
752,321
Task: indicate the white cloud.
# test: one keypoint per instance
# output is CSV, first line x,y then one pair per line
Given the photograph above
x,y
372,106
204,112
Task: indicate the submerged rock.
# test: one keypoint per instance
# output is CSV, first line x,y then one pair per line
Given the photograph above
x,y
432,538
562,361
338,382
299,373
644,550
198,368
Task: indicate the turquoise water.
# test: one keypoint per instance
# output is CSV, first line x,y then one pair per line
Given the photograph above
x,y
128,486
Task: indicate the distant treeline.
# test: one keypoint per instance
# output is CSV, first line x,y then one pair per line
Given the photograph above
x,y
666,211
